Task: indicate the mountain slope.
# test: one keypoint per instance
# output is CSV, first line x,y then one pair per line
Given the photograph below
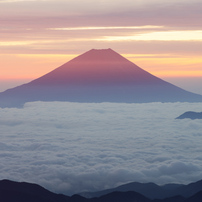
x,y
122,197
190,115
11,191
151,190
97,76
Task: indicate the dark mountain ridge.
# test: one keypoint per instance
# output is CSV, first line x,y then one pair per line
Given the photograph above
x,y
151,190
11,191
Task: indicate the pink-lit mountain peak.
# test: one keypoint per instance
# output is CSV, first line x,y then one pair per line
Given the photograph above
x,y
97,76
97,67
100,56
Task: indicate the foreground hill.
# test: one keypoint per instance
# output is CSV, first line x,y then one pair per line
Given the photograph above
x,y
23,192
26,192
97,76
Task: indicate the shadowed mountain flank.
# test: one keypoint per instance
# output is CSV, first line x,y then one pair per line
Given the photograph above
x,y
190,115
11,191
152,191
97,76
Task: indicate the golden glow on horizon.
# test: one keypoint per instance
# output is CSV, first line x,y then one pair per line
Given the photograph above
x,y
136,56
16,43
169,60
168,66
27,42
176,73
48,56
31,66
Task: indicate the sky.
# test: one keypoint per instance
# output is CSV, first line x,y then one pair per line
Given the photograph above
x,y
73,147
163,37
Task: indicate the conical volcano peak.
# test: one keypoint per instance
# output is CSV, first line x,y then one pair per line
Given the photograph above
x,y
100,55
97,67
98,75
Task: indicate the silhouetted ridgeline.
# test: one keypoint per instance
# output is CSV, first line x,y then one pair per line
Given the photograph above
x,y
152,191
190,115
26,192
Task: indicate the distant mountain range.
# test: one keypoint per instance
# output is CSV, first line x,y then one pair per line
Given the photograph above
x,y
97,76
151,190
11,191
190,115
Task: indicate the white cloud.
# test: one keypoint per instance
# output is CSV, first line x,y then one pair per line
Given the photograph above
x,y
159,36
73,147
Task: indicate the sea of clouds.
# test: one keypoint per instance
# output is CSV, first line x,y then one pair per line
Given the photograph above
x,y
72,147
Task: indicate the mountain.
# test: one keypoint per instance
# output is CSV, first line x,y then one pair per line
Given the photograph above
x,y
171,199
190,115
195,198
11,191
189,190
151,190
97,76
122,197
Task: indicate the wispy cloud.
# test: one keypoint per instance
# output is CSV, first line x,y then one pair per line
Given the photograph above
x,y
106,28
194,35
16,43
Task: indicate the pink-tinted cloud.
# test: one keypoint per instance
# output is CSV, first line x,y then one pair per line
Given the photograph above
x,y
80,13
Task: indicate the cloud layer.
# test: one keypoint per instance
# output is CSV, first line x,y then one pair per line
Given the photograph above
x,y
71,147
47,26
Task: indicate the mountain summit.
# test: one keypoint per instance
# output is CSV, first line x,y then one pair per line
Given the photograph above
x,y
98,68
97,76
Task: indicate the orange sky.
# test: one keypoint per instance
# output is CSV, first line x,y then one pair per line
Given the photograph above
x,y
162,37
